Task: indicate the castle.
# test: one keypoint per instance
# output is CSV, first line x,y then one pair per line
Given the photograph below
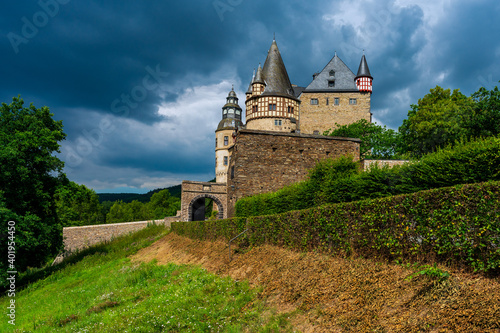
x,y
282,138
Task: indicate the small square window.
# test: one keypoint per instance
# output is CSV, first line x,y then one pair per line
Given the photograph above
x,y
314,101
278,122
226,140
353,101
331,84
272,107
336,101
225,160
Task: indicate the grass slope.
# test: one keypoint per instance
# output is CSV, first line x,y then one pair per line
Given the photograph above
x,y
101,290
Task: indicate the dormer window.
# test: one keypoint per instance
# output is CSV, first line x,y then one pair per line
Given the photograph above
x,y
331,83
332,73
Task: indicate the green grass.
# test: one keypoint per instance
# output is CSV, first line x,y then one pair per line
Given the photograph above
x,y
101,290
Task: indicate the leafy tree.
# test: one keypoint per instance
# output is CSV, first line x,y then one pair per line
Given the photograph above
x,y
484,118
377,141
436,121
162,204
30,174
78,205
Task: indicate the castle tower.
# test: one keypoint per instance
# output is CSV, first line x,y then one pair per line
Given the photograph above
x,y
224,135
336,96
272,105
364,79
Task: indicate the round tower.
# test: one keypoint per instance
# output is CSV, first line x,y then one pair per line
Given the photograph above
x,y
224,135
272,105
364,79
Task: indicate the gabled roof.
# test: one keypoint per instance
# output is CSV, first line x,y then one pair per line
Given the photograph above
x,y
342,77
275,74
363,70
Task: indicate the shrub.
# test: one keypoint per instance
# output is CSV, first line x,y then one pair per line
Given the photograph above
x,y
340,181
455,225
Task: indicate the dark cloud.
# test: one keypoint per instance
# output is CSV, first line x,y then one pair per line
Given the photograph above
x,y
91,62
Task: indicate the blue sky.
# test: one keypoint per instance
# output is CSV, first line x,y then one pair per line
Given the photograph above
x,y
139,85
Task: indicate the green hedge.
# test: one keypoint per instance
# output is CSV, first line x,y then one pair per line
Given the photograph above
x,y
210,230
455,225
341,181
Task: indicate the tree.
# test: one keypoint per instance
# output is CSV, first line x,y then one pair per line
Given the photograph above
x,y
377,141
484,120
30,174
162,204
78,205
436,121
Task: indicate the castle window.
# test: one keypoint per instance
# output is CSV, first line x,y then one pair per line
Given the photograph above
x,y
331,83
290,109
278,122
336,101
272,107
332,73
314,101
225,160
226,140
232,172
216,142
353,101
327,101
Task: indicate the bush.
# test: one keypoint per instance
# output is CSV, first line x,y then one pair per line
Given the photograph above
x,y
341,181
454,225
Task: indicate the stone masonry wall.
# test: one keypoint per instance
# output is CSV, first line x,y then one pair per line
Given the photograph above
x,y
78,238
323,117
267,161
191,191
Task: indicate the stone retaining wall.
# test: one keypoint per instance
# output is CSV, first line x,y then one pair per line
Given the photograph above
x,y
78,238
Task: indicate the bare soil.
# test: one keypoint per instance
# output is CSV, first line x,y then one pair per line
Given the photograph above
x,y
328,294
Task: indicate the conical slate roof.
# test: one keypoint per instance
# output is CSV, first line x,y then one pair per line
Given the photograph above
x,y
259,76
336,76
363,70
275,74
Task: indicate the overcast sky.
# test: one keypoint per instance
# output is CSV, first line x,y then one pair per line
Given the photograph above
x,y
139,85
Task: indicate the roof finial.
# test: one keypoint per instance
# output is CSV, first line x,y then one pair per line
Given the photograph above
x,y
363,51
335,52
232,87
274,37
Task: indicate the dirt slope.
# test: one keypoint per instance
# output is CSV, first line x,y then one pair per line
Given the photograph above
x,y
345,295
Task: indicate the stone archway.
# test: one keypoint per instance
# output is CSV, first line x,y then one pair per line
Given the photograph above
x,y
195,192
193,207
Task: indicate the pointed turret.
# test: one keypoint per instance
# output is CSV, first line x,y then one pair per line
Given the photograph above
x,y
258,77
364,79
272,105
275,74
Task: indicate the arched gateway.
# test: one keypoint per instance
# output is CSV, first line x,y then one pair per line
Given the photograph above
x,y
193,199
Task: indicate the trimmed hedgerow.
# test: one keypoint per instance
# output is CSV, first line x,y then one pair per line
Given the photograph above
x,y
341,181
210,230
455,225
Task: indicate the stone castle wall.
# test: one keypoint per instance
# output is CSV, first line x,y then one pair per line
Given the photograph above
x,y
267,161
78,238
192,191
322,117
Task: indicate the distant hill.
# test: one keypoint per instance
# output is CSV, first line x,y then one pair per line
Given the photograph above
x,y
175,191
